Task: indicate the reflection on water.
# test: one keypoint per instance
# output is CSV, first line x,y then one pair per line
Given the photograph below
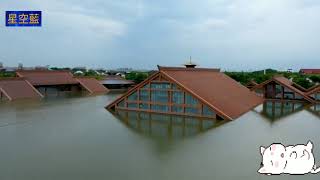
x,y
165,125
278,109
315,109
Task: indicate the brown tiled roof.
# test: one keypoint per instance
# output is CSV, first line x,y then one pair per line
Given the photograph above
x,y
310,71
287,83
219,91
92,85
18,88
47,77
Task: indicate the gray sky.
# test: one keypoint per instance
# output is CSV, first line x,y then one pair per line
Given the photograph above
x,y
230,34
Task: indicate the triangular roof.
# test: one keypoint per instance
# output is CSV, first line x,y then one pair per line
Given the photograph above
x,y
287,83
18,88
92,85
224,95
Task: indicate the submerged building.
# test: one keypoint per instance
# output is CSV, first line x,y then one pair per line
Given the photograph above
x,y
115,82
281,88
190,91
40,83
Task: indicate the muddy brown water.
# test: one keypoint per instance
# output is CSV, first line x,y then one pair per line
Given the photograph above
x,y
75,138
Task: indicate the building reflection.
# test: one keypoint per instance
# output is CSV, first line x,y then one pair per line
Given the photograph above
x,y
278,109
165,125
315,109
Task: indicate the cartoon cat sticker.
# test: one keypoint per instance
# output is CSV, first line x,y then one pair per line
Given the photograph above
x,y
280,159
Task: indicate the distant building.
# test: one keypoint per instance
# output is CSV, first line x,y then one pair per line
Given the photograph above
x,y
114,82
309,71
195,92
40,83
281,88
1,65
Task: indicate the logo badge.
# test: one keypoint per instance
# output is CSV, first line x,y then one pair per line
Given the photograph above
x,y
23,18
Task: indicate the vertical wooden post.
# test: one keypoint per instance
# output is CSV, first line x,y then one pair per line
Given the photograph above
x,y
274,91
184,102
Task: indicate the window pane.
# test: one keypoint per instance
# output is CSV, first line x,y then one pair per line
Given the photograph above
x,y
143,106
160,85
191,100
177,109
144,95
133,97
192,110
207,111
159,96
278,91
121,104
177,97
298,96
147,86
163,108
132,105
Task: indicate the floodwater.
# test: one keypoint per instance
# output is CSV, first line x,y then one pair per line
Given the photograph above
x,y
77,139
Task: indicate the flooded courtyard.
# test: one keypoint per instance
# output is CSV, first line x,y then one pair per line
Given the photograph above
x,y
75,138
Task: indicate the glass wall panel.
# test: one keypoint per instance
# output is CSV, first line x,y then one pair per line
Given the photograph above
x,y
288,95
121,104
269,92
278,91
298,96
192,110
317,96
160,85
132,105
162,108
144,95
147,86
287,90
143,106
207,111
177,109
174,86
191,100
159,96
177,97
133,97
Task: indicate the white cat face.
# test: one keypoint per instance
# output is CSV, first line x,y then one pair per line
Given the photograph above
x,y
278,159
273,159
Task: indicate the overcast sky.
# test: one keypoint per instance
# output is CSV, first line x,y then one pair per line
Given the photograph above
x,y
229,34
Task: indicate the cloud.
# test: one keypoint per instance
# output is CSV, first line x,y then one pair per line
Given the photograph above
x,y
231,34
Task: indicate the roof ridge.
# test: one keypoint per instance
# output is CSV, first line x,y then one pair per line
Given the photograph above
x,y
168,68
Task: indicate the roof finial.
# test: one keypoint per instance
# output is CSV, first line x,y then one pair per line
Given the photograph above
x,y
190,64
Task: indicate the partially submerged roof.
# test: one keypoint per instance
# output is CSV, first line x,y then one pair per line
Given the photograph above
x,y
92,85
216,89
287,83
18,88
226,97
47,77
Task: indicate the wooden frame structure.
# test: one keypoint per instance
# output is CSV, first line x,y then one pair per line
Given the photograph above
x,y
281,89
